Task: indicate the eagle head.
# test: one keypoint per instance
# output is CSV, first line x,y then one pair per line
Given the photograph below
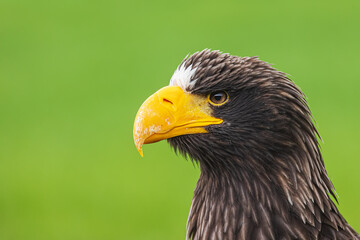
x,y
250,129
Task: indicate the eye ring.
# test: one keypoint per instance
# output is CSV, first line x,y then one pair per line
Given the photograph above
x,y
218,98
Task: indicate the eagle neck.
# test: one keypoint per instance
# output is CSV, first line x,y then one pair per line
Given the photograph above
x,y
224,206
244,203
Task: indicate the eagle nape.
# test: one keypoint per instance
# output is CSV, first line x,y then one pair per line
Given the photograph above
x,y
251,131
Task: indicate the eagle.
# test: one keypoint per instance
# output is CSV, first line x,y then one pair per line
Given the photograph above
x,y
249,128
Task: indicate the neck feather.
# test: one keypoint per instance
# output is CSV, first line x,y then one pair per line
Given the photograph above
x,y
283,203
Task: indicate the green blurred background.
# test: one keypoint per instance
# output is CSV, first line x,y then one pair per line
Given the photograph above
x,y
73,74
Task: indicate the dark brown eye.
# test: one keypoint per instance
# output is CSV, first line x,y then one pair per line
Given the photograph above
x,y
218,98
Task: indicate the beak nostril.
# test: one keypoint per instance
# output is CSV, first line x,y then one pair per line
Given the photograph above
x,y
167,101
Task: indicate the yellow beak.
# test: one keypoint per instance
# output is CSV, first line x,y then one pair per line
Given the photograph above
x,y
171,112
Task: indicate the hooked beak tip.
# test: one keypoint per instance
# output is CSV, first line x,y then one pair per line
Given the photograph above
x,y
141,152
139,148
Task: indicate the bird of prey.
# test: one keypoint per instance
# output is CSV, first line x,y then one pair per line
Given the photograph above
x,y
251,131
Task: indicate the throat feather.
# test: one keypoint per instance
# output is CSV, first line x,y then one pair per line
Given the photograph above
x,y
253,206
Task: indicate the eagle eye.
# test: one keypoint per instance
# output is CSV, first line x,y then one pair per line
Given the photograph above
x,y
218,98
